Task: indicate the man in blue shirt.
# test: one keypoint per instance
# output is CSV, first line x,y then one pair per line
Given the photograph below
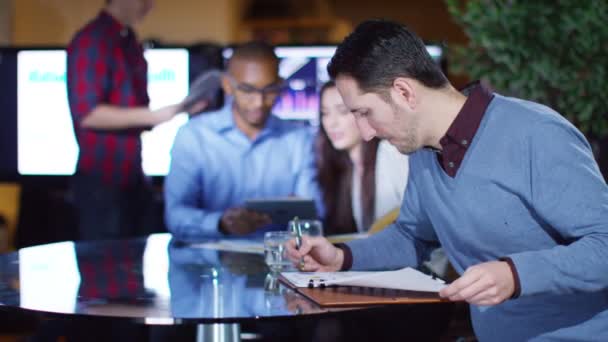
x,y
221,159
508,187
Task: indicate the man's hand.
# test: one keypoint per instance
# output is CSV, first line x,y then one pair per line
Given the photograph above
x,y
318,254
240,221
164,114
488,283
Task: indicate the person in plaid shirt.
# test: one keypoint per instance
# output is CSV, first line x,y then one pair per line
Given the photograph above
x,y
107,93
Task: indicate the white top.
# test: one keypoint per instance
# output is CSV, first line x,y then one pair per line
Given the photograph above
x,y
392,169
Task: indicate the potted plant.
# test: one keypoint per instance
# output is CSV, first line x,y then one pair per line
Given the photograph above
x,y
555,53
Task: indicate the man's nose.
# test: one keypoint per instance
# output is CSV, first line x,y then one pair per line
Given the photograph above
x,y
257,99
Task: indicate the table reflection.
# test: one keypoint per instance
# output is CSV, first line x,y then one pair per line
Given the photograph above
x,y
208,283
154,280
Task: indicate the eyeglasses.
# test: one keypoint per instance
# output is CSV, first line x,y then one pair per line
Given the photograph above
x,y
272,90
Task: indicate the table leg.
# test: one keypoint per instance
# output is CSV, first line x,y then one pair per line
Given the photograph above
x,y
218,332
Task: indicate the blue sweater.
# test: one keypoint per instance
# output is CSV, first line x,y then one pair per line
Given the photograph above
x,y
528,188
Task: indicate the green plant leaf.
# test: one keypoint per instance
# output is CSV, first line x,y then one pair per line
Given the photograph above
x,y
555,53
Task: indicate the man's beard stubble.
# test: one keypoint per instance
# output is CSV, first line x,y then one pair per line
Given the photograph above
x,y
409,143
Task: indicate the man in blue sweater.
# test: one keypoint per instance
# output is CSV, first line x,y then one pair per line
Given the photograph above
x,y
507,187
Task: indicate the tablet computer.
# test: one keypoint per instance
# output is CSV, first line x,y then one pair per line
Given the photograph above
x,y
281,210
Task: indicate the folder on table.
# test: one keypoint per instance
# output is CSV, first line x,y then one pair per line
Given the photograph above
x,y
335,289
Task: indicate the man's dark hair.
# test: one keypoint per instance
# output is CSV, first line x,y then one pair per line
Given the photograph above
x,y
254,51
379,51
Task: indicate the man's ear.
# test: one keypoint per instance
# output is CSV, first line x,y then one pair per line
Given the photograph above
x,y
227,85
403,92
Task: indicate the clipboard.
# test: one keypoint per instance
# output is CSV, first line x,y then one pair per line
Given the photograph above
x,y
345,296
367,291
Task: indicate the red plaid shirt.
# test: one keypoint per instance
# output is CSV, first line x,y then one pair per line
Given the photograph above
x,y
106,65
111,271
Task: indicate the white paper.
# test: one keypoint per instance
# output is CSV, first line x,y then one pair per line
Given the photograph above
x,y
403,279
241,246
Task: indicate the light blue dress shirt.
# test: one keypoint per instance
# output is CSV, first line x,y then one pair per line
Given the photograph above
x,y
215,166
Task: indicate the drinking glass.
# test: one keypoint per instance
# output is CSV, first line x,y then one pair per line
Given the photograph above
x,y
308,227
275,251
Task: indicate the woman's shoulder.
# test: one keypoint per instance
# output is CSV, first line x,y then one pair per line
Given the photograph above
x,y
391,164
388,152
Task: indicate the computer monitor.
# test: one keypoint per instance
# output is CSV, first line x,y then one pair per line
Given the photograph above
x,y
46,144
304,68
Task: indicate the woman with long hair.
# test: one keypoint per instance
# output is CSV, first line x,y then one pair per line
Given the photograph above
x,y
360,181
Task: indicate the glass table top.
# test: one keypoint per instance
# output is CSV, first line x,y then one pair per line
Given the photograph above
x,y
153,280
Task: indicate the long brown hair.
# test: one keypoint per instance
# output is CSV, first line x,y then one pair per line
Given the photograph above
x,y
335,174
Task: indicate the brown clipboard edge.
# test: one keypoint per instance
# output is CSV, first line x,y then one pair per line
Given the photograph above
x,y
348,296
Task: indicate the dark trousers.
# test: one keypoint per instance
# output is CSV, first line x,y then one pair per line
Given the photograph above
x,y
111,212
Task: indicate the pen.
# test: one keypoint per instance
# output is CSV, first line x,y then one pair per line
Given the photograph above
x,y
298,229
